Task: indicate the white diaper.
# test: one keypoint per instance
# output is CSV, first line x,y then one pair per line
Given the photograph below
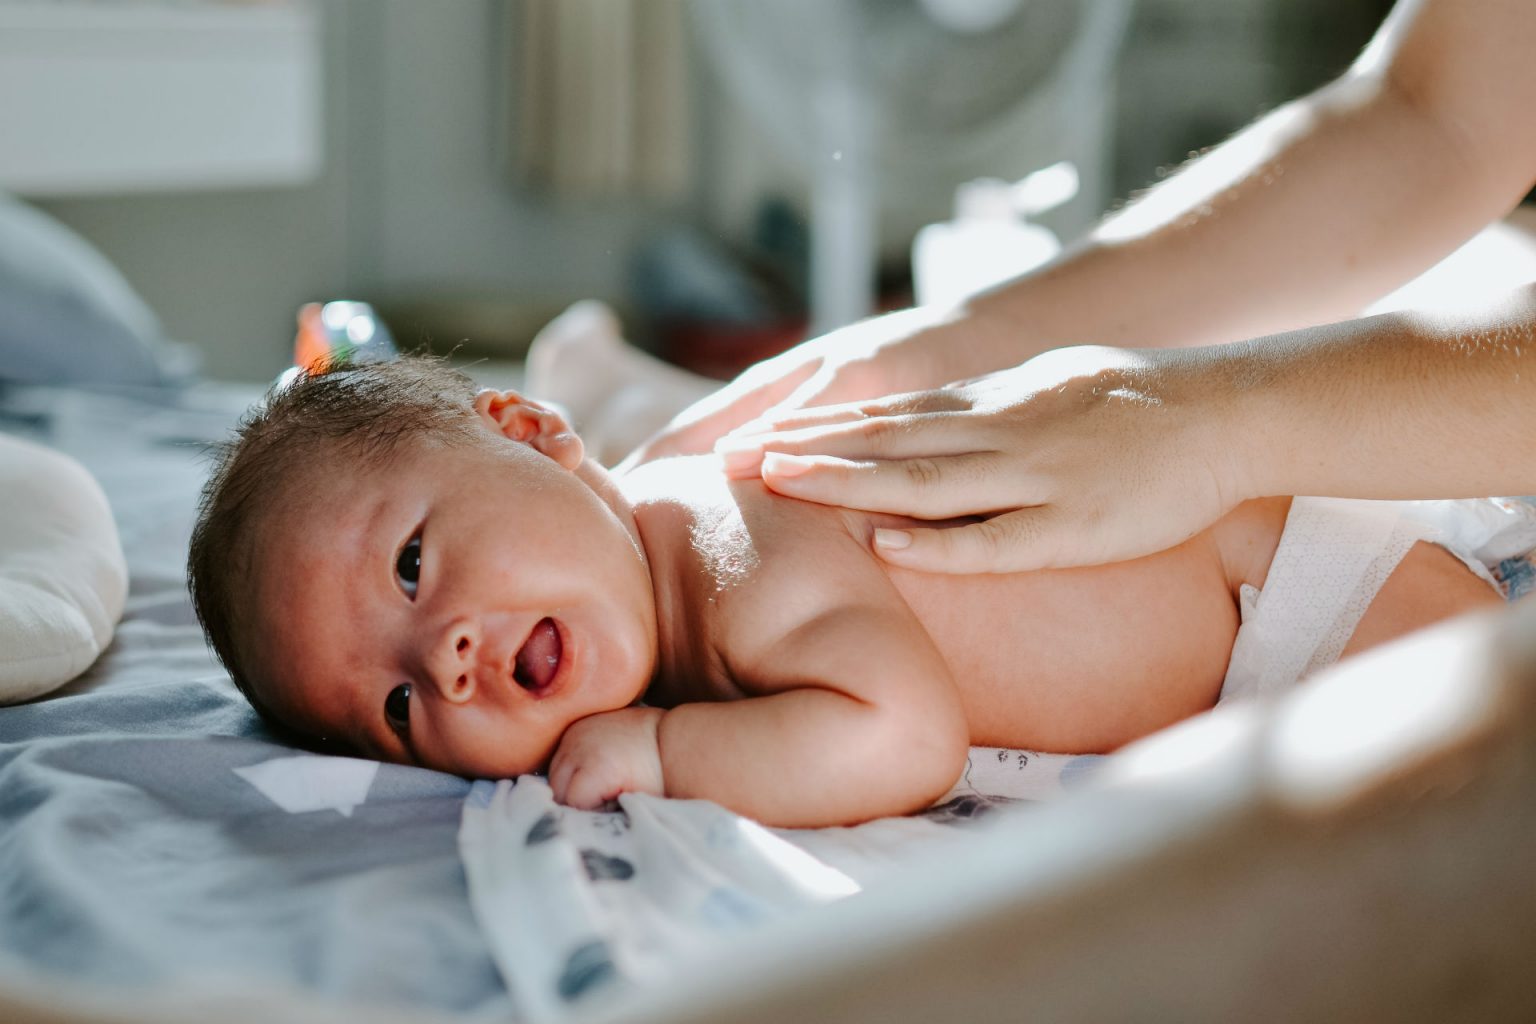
x,y
1333,557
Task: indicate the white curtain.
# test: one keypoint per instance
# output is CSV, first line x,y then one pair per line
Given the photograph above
x,y
602,104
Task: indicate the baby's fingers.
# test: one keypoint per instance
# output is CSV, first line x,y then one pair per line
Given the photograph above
x,y
570,785
591,788
560,771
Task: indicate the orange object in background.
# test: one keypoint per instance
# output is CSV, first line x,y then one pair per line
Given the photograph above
x,y
340,331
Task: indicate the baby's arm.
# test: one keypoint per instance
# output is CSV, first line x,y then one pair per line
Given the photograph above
x,y
855,717
858,718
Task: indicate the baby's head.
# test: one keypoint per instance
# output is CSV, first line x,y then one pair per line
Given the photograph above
x,y
389,561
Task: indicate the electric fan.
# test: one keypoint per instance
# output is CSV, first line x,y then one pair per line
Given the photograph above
x,y
887,105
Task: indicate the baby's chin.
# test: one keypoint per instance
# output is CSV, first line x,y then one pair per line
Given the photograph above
x,y
490,768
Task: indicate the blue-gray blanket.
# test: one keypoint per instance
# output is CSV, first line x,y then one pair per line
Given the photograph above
x,y
132,854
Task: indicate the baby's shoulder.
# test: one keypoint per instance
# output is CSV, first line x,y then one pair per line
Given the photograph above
x,y
741,533
804,564
760,566
809,548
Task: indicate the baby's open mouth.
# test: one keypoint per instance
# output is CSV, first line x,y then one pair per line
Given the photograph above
x,y
539,658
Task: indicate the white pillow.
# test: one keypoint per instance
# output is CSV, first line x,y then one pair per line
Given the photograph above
x,y
63,580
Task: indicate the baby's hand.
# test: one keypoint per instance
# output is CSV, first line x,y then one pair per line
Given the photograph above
x,y
606,754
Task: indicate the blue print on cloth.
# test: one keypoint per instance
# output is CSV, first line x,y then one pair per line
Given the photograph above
x,y
965,807
1516,576
1080,770
588,966
600,866
545,829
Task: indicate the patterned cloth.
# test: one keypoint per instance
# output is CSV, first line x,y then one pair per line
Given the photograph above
x,y
581,908
1516,574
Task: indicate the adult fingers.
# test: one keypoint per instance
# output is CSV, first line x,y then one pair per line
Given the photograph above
x,y
793,414
786,417
747,398
927,487
885,437
752,394
1014,542
800,408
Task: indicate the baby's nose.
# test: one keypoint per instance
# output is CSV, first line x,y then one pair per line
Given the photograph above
x,y
453,668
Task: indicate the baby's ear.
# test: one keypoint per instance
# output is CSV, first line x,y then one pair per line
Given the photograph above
x,y
538,426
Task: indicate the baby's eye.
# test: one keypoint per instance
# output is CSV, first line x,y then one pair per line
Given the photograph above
x,y
408,566
397,709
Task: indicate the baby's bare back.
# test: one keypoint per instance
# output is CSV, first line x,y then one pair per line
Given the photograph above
x,y
1091,658
1077,660
1073,660
1084,659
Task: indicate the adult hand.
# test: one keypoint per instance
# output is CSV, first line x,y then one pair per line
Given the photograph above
x,y
1079,456
912,348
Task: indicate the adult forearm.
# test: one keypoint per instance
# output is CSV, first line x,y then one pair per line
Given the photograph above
x,y
1403,405
1305,217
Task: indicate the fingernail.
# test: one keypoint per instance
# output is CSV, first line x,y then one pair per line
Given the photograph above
x,y
733,442
739,458
783,465
892,540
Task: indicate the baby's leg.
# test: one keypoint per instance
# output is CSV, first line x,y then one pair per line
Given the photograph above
x,y
615,394
1428,585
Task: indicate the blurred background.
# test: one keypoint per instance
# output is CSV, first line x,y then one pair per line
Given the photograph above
x,y
728,175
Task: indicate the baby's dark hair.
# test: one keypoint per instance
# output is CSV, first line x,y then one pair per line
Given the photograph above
x,y
357,411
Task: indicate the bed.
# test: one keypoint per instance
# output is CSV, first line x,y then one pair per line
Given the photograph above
x,y
154,834
1358,850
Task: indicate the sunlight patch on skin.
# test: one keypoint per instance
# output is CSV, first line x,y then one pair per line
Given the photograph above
x,y
722,538
1484,324
1385,42
1197,191
1084,360
726,546
1485,278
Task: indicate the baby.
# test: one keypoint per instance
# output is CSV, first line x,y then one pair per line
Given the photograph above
x,y
389,561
